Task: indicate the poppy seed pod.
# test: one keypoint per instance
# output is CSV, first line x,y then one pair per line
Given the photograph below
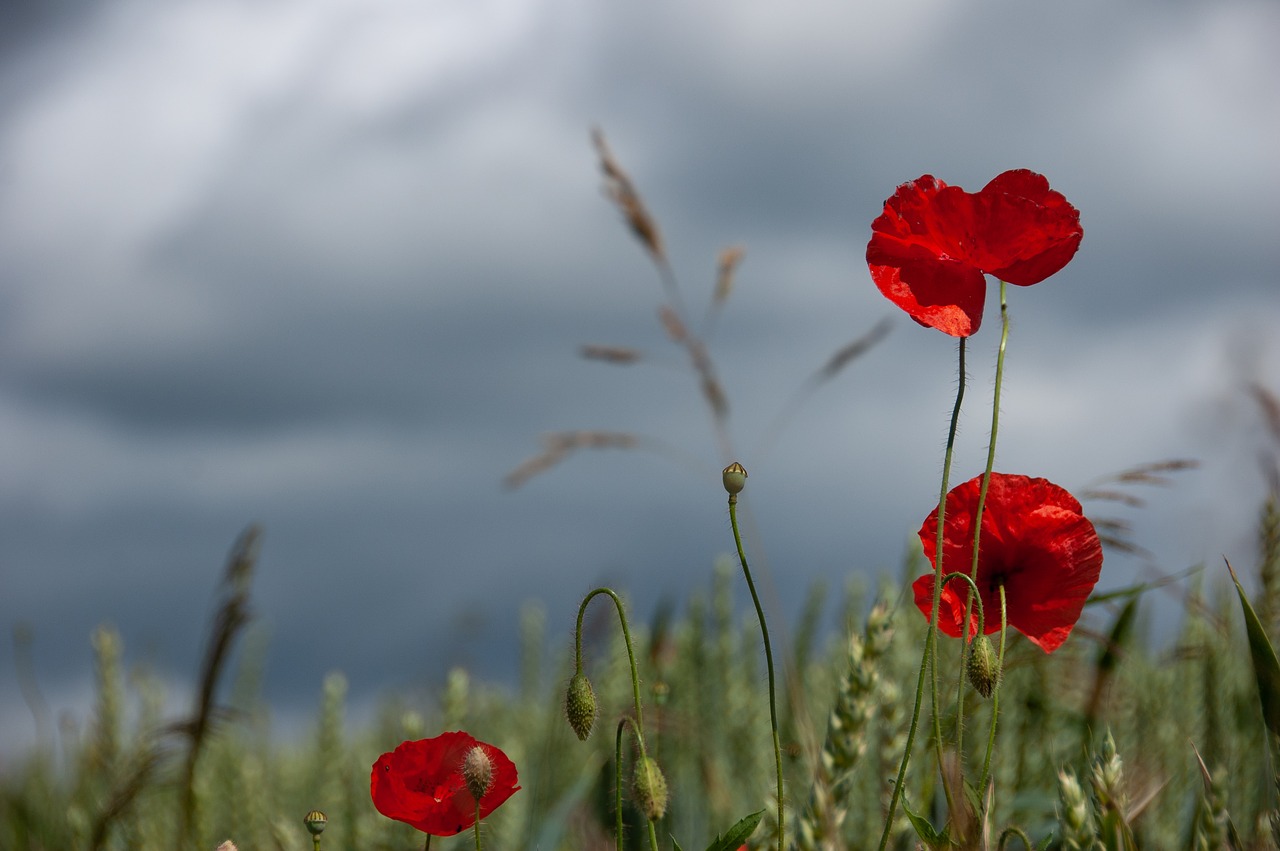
x,y
650,788
580,706
315,822
735,478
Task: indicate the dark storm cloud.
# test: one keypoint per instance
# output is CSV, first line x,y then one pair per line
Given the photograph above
x,y
327,269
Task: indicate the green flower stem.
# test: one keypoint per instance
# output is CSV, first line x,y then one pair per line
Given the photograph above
x,y
768,658
631,656
928,660
973,586
617,785
977,519
617,782
1009,833
477,825
995,694
638,725
427,846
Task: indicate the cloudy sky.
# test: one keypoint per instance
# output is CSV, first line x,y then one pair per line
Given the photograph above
x,y
325,265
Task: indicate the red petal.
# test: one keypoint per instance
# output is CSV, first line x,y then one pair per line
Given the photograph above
x,y
1035,542
918,258
933,243
420,783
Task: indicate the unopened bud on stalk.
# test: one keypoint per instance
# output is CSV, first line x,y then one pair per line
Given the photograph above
x,y
982,670
580,706
650,789
477,770
735,478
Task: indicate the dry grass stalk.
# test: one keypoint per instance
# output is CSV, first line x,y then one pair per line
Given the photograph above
x,y
559,445
1115,532
730,258
673,325
1270,405
622,192
853,350
231,618
610,354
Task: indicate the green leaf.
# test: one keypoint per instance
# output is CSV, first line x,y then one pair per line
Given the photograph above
x,y
736,835
1266,668
675,845
929,835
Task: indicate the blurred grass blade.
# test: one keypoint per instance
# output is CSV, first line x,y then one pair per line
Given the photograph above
x,y
1266,668
1108,658
737,835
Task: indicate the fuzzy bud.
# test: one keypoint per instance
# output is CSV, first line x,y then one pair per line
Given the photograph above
x,y
734,478
982,670
477,770
580,706
650,788
315,822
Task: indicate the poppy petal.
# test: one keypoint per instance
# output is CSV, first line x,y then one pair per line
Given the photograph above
x,y
933,243
421,783
1036,544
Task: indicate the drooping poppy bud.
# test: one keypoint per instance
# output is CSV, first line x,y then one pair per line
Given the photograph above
x,y
580,706
650,788
982,670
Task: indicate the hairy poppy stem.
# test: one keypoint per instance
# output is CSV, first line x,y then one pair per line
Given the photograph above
x,y
977,526
995,694
638,725
631,655
617,785
477,824
768,658
928,661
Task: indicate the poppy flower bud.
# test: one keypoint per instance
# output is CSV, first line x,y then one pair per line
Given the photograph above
x,y
315,822
650,789
982,669
477,770
735,478
580,706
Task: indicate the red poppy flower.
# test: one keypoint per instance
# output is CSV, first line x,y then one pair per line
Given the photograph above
x,y
1035,542
422,783
932,244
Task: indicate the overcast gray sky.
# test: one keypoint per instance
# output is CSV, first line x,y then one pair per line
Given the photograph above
x,y
325,265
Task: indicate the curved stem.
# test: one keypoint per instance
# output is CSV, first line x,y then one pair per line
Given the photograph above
x,y
631,656
638,724
1010,832
982,504
617,783
768,658
995,695
928,659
